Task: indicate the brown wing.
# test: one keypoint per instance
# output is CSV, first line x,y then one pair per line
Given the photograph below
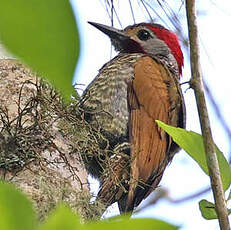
x,y
149,100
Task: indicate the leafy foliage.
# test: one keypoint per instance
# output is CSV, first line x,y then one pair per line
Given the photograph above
x,y
130,224
22,217
16,211
192,143
44,35
207,210
62,218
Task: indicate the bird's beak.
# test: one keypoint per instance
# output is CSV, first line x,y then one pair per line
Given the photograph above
x,y
113,33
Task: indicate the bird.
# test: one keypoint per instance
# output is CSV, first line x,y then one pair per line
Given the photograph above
x,y
133,90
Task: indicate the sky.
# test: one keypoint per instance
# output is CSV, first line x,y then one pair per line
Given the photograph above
x,y
183,176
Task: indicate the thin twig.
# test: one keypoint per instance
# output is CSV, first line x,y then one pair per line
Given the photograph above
x,y
132,12
161,193
197,84
189,197
146,9
148,5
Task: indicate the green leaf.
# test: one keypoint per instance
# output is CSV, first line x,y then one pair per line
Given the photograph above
x,y
130,224
44,35
16,212
192,143
207,210
62,219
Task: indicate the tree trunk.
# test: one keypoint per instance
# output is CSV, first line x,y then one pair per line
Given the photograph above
x,y
40,140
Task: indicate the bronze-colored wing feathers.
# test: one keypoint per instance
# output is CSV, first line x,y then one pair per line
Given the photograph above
x,y
149,144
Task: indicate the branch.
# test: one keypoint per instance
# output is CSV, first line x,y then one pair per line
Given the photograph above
x,y
196,83
161,193
219,114
189,197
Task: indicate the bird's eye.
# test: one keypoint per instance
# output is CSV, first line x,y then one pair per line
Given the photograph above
x,y
143,35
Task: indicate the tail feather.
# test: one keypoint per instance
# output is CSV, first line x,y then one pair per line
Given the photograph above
x,y
114,181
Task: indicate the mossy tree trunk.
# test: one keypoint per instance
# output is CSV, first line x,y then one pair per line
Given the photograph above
x,y
39,142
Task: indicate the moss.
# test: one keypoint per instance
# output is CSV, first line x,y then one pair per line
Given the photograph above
x,y
44,143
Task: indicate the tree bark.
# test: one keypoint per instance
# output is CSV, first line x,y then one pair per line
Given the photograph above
x,y
39,144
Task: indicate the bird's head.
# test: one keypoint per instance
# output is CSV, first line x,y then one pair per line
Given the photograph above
x,y
149,38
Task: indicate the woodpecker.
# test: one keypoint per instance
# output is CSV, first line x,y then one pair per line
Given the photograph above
x,y
131,91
